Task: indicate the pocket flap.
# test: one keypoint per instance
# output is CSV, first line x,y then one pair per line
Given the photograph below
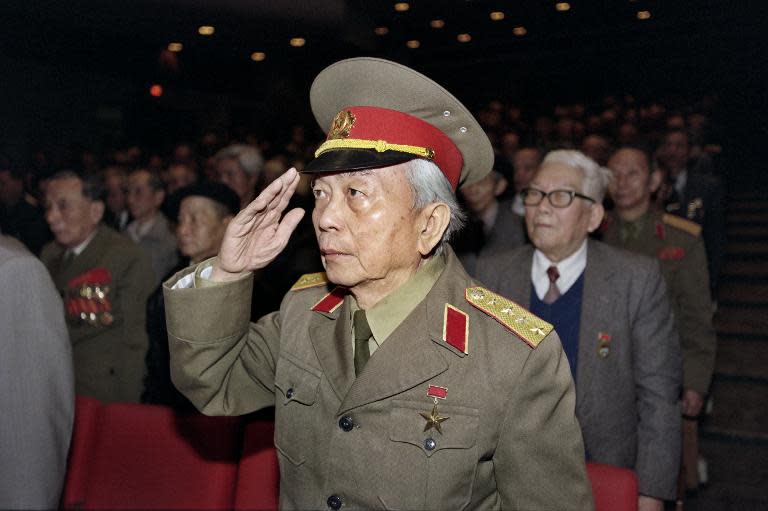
x,y
459,429
296,381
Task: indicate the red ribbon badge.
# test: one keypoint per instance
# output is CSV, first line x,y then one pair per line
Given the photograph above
x,y
437,392
671,253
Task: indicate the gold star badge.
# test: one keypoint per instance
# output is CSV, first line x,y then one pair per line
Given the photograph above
x,y
433,420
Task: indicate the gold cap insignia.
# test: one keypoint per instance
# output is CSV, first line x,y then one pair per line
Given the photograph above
x,y
342,124
529,327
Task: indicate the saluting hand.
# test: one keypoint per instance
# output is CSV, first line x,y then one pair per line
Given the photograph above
x,y
257,235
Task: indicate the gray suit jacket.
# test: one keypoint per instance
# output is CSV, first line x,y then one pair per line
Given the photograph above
x,y
37,382
627,401
160,245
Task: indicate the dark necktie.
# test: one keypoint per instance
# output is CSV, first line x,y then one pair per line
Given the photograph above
x,y
362,335
552,293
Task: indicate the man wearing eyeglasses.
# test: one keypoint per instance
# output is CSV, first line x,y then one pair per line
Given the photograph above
x,y
611,310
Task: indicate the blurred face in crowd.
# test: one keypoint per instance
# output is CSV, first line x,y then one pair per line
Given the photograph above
x,y
143,200
231,174
559,232
11,189
525,162
179,175
202,222
632,183
370,236
674,151
71,215
114,182
597,148
273,168
480,196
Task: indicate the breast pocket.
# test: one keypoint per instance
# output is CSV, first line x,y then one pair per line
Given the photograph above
x,y
297,385
441,464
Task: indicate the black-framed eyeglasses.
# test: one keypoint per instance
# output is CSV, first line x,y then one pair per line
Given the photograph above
x,y
558,198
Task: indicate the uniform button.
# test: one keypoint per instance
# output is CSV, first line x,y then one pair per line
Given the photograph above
x,y
430,444
334,502
289,393
346,423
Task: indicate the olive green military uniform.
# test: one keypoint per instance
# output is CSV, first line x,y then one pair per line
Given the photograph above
x,y
508,438
105,290
675,242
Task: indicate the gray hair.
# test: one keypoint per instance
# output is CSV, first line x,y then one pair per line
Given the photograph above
x,y
596,178
429,186
248,157
93,185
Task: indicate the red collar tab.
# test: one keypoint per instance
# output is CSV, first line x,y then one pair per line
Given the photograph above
x,y
456,328
331,301
385,127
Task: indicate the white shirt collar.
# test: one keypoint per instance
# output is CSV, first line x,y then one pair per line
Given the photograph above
x,y
82,246
570,270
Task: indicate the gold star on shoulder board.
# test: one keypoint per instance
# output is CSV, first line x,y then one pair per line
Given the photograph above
x,y
433,420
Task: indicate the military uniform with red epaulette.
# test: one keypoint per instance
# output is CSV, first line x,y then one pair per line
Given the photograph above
x,y
468,404
676,243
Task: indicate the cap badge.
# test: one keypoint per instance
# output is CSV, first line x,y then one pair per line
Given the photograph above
x,y
342,124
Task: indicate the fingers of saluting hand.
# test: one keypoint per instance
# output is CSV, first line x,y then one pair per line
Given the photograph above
x,y
273,197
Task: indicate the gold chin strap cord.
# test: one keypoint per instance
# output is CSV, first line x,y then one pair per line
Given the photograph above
x,y
378,145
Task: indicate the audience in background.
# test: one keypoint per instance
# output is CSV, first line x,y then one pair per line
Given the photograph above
x,y
239,167
20,214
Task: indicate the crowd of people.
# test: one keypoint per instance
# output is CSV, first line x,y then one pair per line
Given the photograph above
x,y
604,220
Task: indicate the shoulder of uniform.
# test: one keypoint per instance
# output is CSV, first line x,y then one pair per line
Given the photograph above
x,y
526,325
309,280
682,224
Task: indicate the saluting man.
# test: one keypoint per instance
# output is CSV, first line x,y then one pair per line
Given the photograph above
x,y
398,381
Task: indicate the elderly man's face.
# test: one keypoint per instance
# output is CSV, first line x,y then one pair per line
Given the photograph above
x,y
201,227
115,185
366,227
481,195
633,182
143,200
675,151
70,214
558,232
230,173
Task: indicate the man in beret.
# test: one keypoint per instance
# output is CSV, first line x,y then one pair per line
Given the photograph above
x,y
398,382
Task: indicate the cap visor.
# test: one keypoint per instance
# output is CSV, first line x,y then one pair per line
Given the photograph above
x,y
346,160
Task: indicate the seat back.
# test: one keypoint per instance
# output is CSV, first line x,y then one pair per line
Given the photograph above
x,y
614,488
84,436
258,477
149,457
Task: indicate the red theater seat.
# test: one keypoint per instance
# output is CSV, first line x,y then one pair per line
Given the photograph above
x,y
258,479
614,488
87,415
148,457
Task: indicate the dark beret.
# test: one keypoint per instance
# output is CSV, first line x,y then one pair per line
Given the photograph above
x,y
217,192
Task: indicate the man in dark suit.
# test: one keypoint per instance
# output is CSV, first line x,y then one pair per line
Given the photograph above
x,y
105,280
37,398
695,196
611,310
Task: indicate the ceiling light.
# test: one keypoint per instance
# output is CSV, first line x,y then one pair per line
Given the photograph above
x,y
156,90
413,44
206,30
258,56
298,42
562,6
497,16
175,47
381,31
463,38
402,6
643,15
437,23
519,31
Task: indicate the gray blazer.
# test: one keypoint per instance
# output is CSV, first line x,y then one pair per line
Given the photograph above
x,y
37,382
626,401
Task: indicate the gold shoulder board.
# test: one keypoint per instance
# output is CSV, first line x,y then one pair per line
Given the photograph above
x,y
529,327
310,280
683,224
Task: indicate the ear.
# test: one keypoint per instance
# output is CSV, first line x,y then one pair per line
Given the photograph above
x,y
433,220
656,178
96,211
501,186
596,213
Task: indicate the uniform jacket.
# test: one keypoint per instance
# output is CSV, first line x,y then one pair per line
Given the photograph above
x,y
511,440
684,265
37,382
105,290
628,364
